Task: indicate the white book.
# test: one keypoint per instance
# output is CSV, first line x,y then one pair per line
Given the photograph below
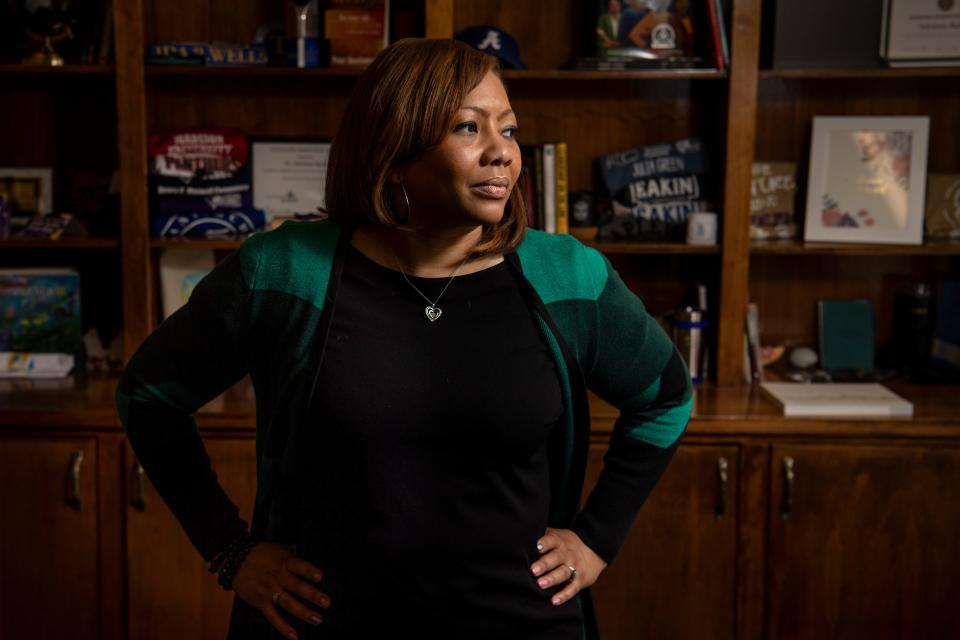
x,y
550,188
35,365
836,399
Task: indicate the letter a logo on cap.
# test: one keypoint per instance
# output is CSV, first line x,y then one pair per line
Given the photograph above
x,y
492,39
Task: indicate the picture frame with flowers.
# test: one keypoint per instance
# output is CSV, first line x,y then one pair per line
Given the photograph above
x,y
867,179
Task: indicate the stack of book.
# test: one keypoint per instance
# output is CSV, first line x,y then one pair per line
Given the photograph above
x,y
545,186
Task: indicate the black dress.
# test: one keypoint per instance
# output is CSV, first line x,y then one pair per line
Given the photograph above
x,y
431,483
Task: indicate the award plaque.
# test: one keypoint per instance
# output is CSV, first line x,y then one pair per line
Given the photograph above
x,y
289,176
919,33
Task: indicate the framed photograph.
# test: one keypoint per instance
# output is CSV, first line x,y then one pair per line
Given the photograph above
x,y
866,179
29,190
289,176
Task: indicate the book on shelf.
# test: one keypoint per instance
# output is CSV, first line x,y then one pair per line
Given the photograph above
x,y
754,352
40,311
562,194
846,329
836,399
825,33
14,364
206,53
946,336
715,35
549,188
357,30
545,183
773,190
942,216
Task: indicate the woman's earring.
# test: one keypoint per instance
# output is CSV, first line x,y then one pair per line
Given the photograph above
x,y
406,219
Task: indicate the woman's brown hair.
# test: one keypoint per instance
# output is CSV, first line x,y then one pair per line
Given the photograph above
x,y
404,103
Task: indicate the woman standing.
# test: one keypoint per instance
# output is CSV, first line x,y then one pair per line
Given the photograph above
x,y
420,363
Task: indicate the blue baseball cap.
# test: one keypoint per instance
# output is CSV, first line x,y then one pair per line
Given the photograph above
x,y
494,42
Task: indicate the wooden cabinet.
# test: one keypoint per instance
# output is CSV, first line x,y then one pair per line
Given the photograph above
x,y
170,593
863,541
49,540
676,574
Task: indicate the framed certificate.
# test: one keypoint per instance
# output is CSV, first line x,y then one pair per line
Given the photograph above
x,y
289,176
921,33
866,179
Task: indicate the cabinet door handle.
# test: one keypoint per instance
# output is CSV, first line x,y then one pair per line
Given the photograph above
x,y
722,466
788,475
139,498
74,499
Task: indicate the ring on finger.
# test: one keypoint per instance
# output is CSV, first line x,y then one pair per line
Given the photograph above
x,y
276,597
573,571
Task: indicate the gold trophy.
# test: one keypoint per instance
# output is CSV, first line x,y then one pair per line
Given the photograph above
x,y
45,22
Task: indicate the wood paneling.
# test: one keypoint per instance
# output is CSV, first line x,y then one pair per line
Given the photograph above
x,y
611,116
214,20
48,543
170,592
786,289
268,106
787,107
869,549
676,574
132,141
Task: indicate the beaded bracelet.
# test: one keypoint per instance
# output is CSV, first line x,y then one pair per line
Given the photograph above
x,y
227,562
218,559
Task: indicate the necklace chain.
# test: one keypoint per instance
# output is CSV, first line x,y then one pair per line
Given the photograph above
x,y
433,311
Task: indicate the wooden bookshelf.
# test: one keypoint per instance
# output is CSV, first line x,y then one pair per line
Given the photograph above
x,y
63,243
799,248
857,74
632,74
652,248
26,70
741,570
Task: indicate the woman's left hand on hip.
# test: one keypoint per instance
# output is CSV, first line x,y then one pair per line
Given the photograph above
x,y
564,558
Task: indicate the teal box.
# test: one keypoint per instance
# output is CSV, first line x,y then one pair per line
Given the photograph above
x,y
846,334
40,310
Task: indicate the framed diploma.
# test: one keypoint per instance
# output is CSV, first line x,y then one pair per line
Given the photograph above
x,y
921,33
866,179
289,176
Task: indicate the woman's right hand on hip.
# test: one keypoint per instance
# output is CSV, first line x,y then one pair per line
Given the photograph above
x,y
271,578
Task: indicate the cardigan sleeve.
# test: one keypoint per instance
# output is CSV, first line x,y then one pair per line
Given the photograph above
x,y
634,366
191,358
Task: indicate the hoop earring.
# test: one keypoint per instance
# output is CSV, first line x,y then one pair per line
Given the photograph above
x,y
406,219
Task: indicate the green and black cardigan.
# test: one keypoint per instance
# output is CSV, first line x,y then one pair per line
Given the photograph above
x,y
265,311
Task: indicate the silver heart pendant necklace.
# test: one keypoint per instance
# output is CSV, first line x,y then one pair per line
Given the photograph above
x,y
432,311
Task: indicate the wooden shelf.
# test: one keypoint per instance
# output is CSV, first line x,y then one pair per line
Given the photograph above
x,y
252,71
718,411
652,248
198,243
743,410
633,74
530,74
795,247
17,69
64,243
899,72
